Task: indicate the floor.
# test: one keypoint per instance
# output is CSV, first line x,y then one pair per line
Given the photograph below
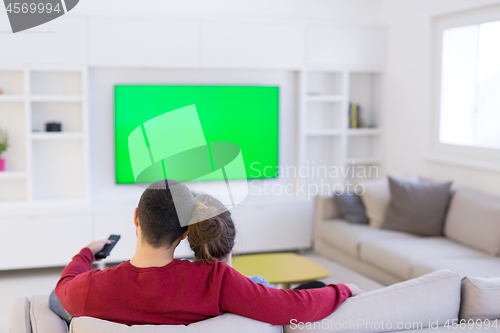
x,y
41,281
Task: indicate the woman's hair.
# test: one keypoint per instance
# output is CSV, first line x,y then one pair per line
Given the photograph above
x,y
211,229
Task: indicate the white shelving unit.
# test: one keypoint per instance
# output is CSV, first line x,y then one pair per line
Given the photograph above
x,y
325,140
44,167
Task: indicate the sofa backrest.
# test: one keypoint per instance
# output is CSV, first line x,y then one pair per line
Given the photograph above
x,y
427,301
474,219
226,323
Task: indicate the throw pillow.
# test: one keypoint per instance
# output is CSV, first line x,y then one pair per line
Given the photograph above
x,y
376,198
417,208
480,299
351,207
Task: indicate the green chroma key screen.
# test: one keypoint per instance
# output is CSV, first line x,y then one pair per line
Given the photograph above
x,y
245,115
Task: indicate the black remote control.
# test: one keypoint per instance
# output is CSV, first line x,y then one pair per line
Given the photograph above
x,y
108,247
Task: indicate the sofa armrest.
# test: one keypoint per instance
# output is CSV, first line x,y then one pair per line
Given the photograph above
x,y
43,320
19,316
324,209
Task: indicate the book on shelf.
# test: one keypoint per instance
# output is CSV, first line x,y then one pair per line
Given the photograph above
x,y
355,116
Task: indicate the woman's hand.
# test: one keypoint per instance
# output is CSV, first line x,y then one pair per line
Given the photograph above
x,y
355,290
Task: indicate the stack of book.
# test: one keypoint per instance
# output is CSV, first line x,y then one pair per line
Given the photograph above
x,y
355,116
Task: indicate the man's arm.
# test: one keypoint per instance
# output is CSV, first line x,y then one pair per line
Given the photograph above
x,y
277,306
72,287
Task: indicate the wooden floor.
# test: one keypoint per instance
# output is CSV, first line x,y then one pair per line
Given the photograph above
x,y
42,281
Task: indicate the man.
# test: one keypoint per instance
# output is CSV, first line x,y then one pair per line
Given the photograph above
x,y
155,288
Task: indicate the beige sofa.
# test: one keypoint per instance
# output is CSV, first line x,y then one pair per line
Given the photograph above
x,y
431,303
471,244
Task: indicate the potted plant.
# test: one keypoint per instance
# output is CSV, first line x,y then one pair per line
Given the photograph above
x,y
4,144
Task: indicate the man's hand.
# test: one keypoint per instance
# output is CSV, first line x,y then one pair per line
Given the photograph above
x,y
354,289
97,246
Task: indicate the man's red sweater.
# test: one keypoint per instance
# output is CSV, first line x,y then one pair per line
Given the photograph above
x,y
184,292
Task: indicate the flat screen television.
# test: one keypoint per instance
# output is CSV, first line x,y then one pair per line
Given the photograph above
x,y
244,115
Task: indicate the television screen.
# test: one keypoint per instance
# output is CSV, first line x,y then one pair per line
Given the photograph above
x,y
247,116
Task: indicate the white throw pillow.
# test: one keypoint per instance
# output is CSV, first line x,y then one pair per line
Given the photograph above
x,y
480,299
428,301
376,198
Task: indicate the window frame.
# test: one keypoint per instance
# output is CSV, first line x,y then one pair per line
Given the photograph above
x,y
469,156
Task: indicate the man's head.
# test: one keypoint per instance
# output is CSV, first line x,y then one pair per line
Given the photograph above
x,y
163,207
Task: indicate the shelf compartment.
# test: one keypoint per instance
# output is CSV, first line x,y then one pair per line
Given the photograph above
x,y
13,190
323,116
12,119
364,147
46,136
324,83
58,170
12,82
47,82
69,114
323,159
365,89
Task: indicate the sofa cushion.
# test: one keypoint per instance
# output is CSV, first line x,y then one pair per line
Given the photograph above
x,y
480,298
226,323
376,197
42,318
433,298
483,267
474,219
417,208
347,236
19,316
351,207
397,256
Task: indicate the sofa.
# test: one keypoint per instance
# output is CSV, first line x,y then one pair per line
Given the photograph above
x,y
470,244
434,302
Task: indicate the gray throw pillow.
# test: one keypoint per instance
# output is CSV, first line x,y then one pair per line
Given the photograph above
x,y
351,207
417,208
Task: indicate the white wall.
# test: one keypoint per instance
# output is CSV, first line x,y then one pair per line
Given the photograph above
x,y
408,91
338,11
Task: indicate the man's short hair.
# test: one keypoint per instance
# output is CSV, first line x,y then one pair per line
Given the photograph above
x,y
159,216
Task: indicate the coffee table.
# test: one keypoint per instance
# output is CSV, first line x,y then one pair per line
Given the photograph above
x,y
282,268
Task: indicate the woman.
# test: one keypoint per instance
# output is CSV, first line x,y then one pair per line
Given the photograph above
x,y
212,233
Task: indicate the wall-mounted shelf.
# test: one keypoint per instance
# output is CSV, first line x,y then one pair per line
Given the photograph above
x,y
13,175
324,98
57,136
11,98
56,98
364,131
363,161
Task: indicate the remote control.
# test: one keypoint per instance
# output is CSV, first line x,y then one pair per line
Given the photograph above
x,y
108,247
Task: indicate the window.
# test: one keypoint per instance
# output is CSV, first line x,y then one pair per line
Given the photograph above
x,y
466,122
